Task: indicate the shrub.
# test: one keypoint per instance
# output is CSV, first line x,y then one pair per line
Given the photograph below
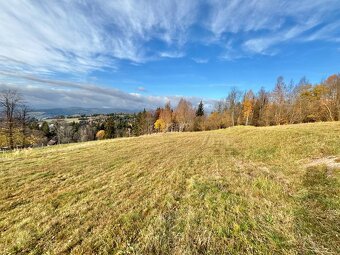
x,y
100,135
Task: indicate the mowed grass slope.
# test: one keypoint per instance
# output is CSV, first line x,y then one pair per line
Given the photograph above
x,y
241,190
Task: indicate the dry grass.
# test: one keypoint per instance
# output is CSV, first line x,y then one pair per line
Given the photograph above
x,y
242,190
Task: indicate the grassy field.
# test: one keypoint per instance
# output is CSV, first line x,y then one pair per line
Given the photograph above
x,y
241,190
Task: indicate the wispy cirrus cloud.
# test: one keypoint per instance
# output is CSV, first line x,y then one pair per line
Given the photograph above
x,y
261,45
78,36
81,36
200,60
259,26
173,54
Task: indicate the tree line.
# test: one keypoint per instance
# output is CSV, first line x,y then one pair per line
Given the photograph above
x,y
287,103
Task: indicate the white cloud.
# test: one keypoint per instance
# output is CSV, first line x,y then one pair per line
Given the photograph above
x,y
78,36
41,92
258,26
81,36
329,32
173,54
200,60
267,15
141,89
237,16
49,36
261,45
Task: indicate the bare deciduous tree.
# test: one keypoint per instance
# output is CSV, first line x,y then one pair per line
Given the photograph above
x,y
9,103
184,114
278,97
232,101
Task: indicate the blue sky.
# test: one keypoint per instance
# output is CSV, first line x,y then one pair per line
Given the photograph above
x,y
134,54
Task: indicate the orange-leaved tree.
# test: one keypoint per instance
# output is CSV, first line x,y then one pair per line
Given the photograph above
x,y
100,135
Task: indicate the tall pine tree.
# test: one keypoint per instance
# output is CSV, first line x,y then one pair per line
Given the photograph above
x,y
200,109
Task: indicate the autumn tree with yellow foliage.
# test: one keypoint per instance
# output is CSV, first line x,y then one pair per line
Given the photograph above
x,y
166,115
248,105
160,125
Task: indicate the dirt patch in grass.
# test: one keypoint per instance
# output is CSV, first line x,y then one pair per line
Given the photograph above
x,y
331,162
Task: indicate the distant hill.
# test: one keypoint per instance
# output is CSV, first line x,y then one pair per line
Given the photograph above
x,y
49,113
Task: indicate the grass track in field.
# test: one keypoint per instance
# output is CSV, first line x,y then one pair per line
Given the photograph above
x,y
239,190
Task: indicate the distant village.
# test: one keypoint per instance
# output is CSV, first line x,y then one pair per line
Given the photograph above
x,y
61,129
80,128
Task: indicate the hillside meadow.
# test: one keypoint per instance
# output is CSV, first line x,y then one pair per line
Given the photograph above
x,y
241,190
